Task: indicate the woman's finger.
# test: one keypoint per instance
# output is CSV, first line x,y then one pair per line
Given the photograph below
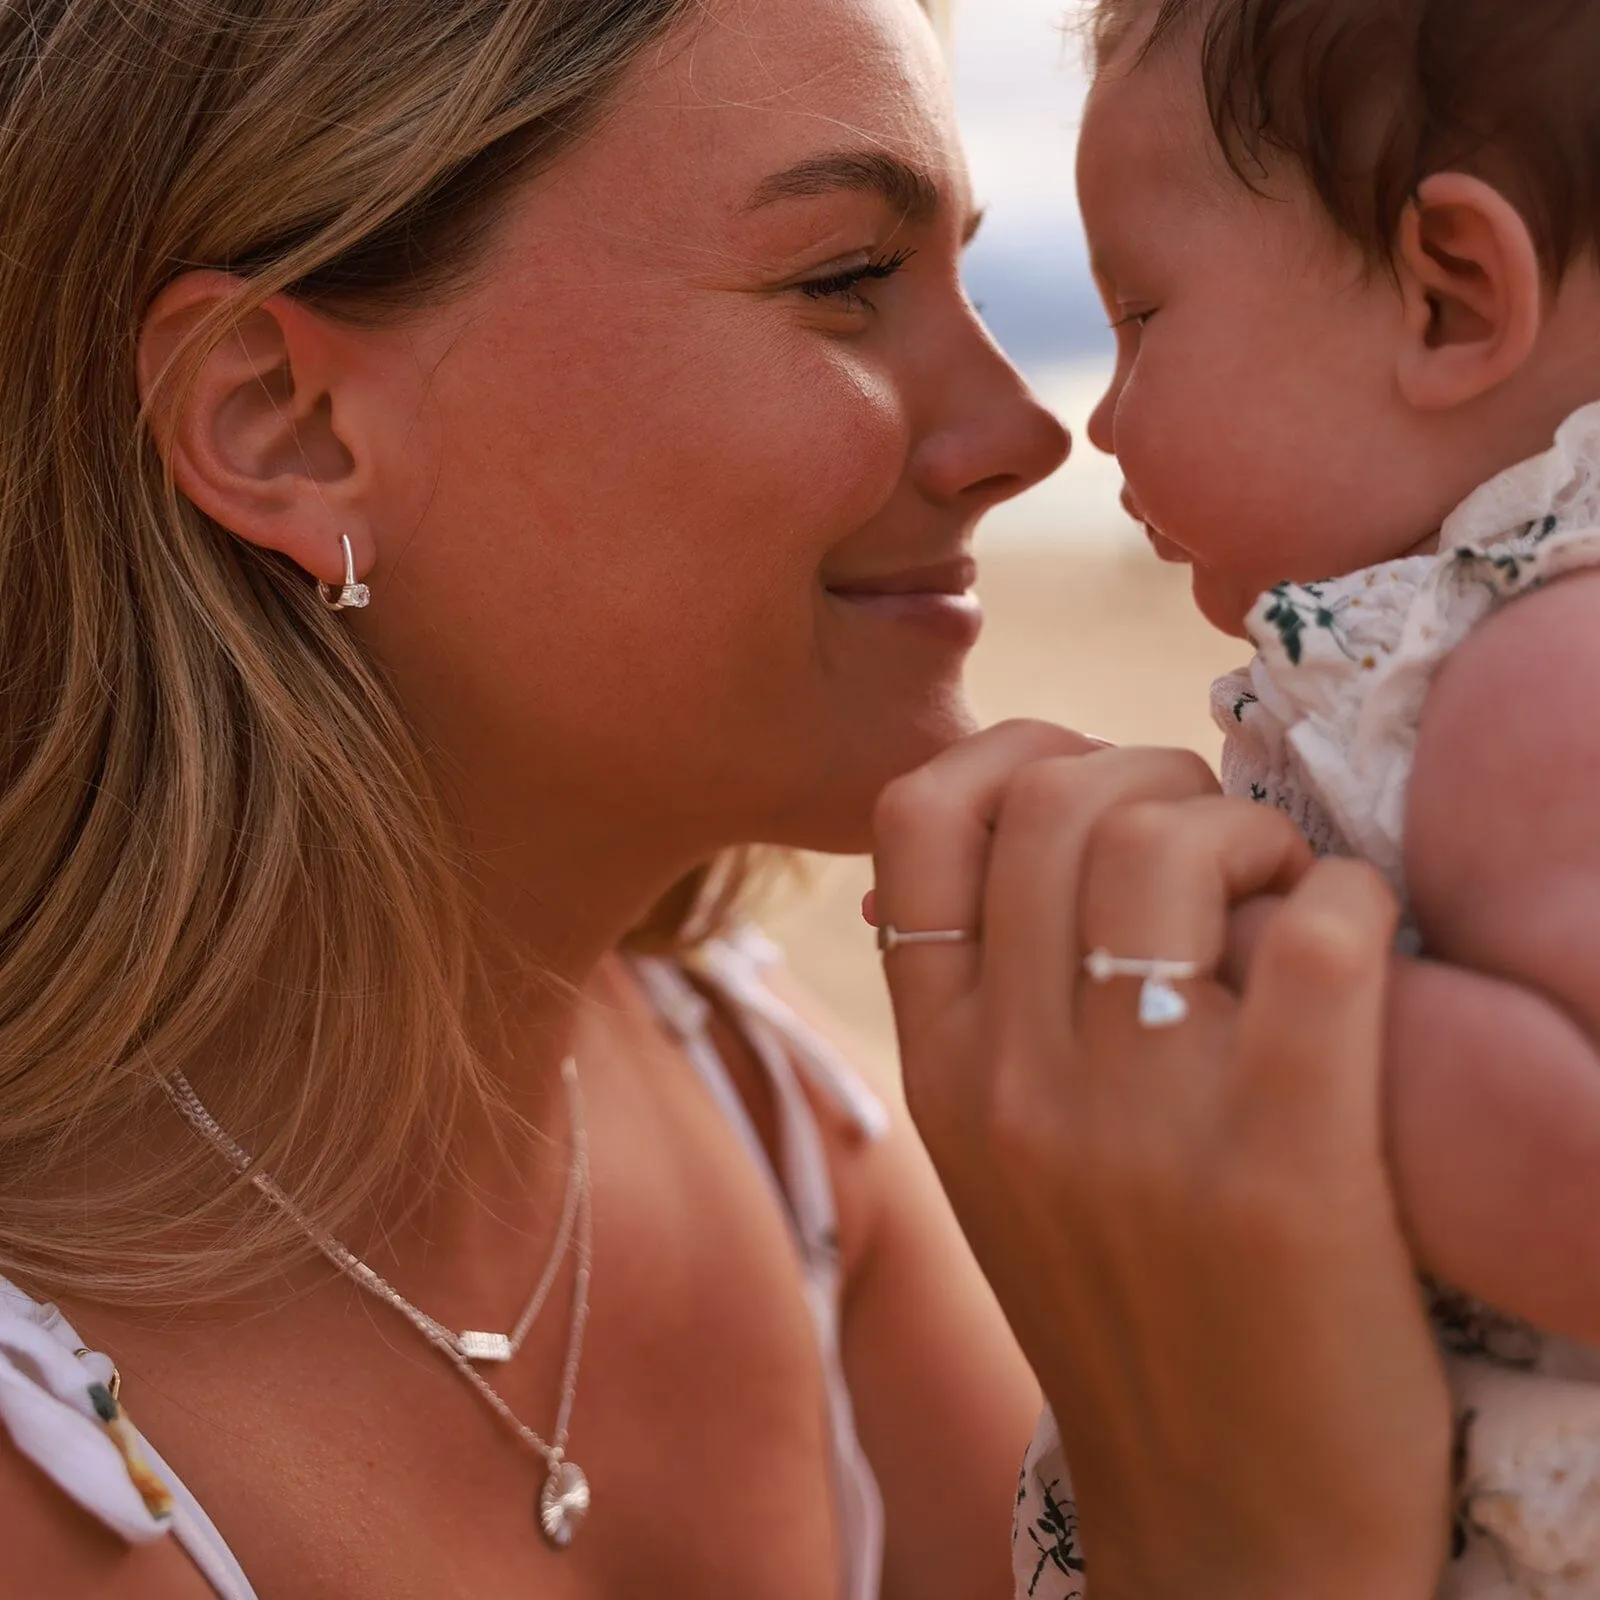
x,y
1324,951
1047,815
933,830
1159,882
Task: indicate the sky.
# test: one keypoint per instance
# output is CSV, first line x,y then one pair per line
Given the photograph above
x,y
1020,88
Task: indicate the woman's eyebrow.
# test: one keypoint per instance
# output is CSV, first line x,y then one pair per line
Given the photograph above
x,y
910,191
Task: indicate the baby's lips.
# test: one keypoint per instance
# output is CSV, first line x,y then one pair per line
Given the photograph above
x,y
1164,548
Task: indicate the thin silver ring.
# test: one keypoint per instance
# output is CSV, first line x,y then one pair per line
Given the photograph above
x,y
1160,1005
1102,966
891,937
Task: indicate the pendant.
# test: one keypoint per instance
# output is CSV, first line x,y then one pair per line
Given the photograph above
x,y
563,1503
484,1346
1160,1005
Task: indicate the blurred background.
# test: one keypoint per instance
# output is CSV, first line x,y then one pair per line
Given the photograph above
x,y
1083,626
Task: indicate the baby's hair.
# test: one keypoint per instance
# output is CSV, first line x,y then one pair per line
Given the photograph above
x,y
1369,97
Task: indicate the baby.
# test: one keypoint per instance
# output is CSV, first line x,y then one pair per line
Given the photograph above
x,y
1351,251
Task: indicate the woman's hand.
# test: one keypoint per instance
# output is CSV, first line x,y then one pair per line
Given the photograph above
x,y
1191,1228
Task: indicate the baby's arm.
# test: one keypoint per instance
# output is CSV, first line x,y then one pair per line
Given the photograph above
x,y
1495,1039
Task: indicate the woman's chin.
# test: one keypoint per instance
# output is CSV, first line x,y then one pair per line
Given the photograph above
x,y
835,817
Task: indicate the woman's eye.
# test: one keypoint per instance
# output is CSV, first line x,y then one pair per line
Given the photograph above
x,y
844,287
1134,319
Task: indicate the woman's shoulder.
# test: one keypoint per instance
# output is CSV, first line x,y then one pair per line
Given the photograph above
x,y
55,1548
856,1101
81,1510
846,1085
943,1398
736,1000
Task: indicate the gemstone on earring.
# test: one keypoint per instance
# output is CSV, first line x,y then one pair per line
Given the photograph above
x,y
563,1503
484,1346
355,595
1160,1005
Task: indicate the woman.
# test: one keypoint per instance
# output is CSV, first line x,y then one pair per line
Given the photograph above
x,y
616,354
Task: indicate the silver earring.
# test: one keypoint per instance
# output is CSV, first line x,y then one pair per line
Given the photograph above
x,y
349,594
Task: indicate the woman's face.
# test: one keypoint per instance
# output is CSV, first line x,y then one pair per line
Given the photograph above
x,y
677,536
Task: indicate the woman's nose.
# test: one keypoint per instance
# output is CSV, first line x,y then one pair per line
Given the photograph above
x,y
1004,443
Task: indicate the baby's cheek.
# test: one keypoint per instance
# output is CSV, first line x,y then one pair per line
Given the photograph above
x,y
1225,599
1178,478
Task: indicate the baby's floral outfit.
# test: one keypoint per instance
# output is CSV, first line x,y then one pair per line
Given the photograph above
x,y
1323,725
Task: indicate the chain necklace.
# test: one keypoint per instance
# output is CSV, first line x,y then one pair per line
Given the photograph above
x,y
564,1499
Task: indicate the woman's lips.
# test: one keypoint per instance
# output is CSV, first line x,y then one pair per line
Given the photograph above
x,y
938,599
956,618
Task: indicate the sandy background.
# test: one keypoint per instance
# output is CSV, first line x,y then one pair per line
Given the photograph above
x,y
1097,635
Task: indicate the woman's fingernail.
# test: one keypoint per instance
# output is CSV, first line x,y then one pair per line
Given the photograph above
x,y
869,908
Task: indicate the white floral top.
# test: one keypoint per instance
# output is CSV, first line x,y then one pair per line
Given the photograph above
x,y
1323,724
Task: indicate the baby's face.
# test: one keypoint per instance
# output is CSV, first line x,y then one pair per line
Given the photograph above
x,y
1254,410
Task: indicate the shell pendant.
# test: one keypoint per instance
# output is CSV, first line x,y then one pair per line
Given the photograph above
x,y
563,1503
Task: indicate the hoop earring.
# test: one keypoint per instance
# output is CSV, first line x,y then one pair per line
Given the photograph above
x,y
350,594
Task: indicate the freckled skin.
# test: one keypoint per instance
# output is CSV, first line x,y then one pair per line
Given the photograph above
x,y
665,451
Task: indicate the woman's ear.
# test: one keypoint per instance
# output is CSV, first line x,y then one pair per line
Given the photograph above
x,y
1472,289
254,440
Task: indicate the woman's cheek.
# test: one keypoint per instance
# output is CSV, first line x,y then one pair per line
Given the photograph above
x,y
858,430
804,472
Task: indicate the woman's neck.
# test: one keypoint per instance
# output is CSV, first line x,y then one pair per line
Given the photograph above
x,y
557,894
553,904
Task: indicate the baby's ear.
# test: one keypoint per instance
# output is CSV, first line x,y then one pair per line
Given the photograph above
x,y
1472,288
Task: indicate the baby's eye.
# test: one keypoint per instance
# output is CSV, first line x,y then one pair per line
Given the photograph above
x,y
843,287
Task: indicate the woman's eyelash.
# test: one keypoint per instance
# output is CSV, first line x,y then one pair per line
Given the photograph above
x,y
1136,319
842,285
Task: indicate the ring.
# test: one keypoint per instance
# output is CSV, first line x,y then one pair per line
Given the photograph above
x,y
891,937
1160,1005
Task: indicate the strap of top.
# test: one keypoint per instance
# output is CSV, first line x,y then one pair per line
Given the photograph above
x,y
801,1183
55,1401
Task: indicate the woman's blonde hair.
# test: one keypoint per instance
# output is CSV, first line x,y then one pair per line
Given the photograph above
x,y
219,849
